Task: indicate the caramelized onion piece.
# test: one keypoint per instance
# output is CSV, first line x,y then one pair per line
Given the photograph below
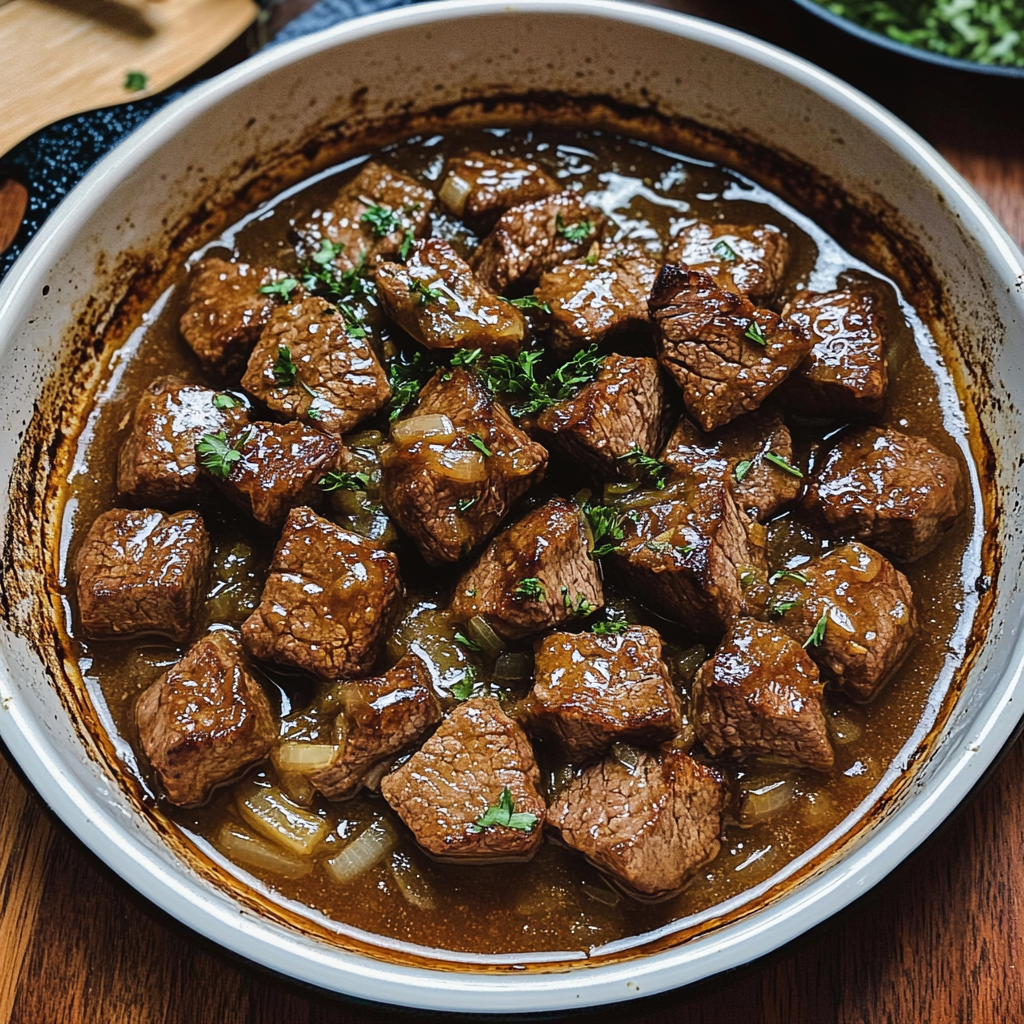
x,y
373,843
238,844
306,758
480,630
275,817
436,426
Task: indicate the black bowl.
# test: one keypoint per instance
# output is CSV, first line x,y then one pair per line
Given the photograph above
x,y
915,52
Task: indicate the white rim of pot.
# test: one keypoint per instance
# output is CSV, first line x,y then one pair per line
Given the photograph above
x,y
214,914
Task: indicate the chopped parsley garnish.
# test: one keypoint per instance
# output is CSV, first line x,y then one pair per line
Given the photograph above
x,y
724,251
683,549
781,463
465,504
281,289
504,813
818,633
787,574
328,252
284,368
463,641
529,302
426,294
217,454
606,526
478,443
325,280
595,252
577,372
382,219
466,357
754,333
517,377
610,628
463,689
136,81
574,232
530,588
777,610
578,609
225,401
646,465
337,480
406,377
407,239
742,469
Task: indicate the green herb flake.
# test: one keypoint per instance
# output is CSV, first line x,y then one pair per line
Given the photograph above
x,y
465,504
466,357
529,302
280,289
779,462
755,334
530,588
426,294
284,368
225,401
647,466
606,525
337,480
577,232
328,252
777,610
382,219
136,81
465,687
787,574
463,641
610,628
478,443
724,251
407,239
742,469
406,376
578,609
818,633
594,255
579,371
504,814
217,454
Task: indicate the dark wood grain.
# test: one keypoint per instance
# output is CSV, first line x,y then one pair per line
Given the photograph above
x,y
941,940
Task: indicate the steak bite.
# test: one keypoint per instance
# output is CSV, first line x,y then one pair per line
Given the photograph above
x,y
530,239
593,297
845,373
225,312
308,365
688,554
456,466
280,468
854,614
760,695
450,793
621,410
893,491
327,602
205,720
592,691
534,576
371,217
751,455
158,463
748,259
142,572
652,825
381,717
727,355
436,298
479,187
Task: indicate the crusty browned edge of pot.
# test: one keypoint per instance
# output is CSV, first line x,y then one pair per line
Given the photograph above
x,y
30,597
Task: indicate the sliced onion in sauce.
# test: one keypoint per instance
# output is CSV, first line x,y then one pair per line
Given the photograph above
x,y
480,630
600,893
764,801
365,439
453,194
466,467
276,818
297,788
296,756
513,667
628,756
373,843
843,728
238,844
436,426
415,887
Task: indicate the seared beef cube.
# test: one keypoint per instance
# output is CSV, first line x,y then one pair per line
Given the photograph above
x,y
158,464
651,825
760,695
592,691
225,312
142,572
845,373
855,615
436,298
205,720
751,454
327,602
438,482
689,555
535,575
446,791
893,491
727,355
309,366
371,218
381,717
533,238
596,296
621,410
479,187
280,468
749,259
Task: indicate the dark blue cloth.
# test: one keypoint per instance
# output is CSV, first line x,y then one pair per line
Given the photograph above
x,y
54,160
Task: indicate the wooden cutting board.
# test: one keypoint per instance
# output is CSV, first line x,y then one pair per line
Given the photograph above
x,y
60,57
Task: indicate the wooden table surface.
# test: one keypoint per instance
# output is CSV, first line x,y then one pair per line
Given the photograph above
x,y
938,941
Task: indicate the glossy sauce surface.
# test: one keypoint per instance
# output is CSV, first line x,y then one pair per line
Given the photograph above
x,y
556,904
